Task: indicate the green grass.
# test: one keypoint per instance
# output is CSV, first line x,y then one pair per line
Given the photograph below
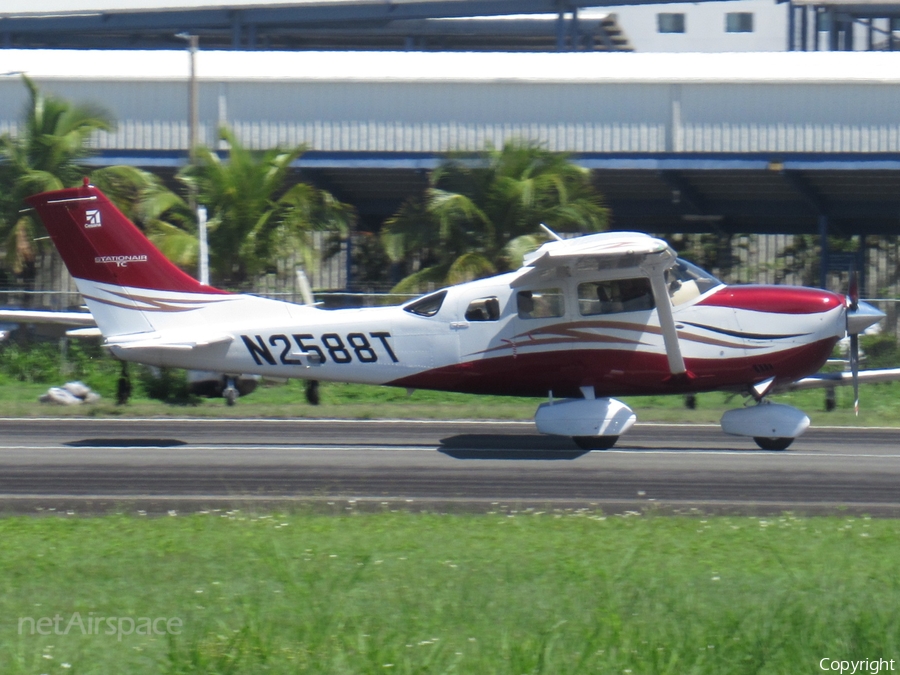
x,y
529,592
880,405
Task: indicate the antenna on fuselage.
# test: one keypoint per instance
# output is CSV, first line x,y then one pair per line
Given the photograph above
x,y
551,232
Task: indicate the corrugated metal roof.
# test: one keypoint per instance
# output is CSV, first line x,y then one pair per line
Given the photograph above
x,y
38,7
466,67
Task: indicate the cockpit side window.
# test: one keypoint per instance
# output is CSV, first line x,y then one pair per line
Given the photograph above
x,y
483,309
614,296
427,306
546,303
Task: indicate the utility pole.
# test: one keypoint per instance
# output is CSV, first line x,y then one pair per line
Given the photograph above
x,y
193,107
193,140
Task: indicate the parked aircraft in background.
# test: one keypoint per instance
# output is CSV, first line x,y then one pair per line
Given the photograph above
x,y
582,321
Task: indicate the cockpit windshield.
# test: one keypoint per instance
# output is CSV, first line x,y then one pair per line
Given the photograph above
x,y
686,281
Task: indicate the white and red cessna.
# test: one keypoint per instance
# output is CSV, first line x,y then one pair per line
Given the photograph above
x,y
584,320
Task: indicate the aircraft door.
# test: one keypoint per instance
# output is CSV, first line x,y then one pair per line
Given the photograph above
x,y
424,334
480,322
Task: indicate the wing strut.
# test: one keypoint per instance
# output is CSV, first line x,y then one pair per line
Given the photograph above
x,y
667,322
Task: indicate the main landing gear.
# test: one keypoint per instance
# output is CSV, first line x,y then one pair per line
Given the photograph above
x,y
773,443
593,423
230,392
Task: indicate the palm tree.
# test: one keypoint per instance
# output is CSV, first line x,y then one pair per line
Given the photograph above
x,y
480,216
43,157
253,218
47,155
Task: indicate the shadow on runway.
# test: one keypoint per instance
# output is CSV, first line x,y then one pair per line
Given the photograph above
x,y
496,446
126,443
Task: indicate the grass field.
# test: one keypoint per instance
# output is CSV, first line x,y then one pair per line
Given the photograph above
x,y
880,405
501,593
506,592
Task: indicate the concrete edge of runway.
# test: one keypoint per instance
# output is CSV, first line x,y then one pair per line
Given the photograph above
x,y
393,421
99,505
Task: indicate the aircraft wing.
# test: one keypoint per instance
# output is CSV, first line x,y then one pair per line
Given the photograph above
x,y
826,380
613,250
632,253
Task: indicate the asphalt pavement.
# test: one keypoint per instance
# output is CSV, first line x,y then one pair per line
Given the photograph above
x,y
90,465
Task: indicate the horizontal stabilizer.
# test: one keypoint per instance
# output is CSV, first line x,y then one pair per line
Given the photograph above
x,y
92,332
46,316
181,346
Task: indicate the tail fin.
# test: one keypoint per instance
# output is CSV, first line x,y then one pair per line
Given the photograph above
x,y
124,279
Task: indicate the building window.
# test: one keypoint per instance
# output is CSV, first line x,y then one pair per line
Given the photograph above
x,y
739,22
669,22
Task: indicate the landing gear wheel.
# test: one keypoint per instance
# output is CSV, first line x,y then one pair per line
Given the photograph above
x,y
773,443
123,388
595,442
312,392
230,392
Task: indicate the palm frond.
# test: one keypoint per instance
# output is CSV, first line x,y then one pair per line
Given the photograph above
x,y
469,266
424,280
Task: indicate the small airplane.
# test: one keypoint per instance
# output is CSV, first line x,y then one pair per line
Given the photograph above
x,y
582,321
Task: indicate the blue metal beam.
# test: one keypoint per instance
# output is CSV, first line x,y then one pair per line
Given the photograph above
x,y
758,209
611,161
321,15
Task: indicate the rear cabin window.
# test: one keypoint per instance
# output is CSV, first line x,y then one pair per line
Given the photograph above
x,y
427,306
544,304
483,309
615,296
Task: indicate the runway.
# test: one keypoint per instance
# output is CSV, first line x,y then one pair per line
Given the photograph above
x,y
88,465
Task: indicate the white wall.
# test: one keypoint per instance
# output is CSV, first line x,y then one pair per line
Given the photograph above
x,y
704,27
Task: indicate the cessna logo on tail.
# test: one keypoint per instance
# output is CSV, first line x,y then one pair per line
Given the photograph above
x,y
119,260
92,218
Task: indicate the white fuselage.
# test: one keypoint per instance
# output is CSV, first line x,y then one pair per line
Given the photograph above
x,y
481,340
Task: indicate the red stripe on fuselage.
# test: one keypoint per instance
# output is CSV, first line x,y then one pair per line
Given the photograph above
x,y
775,299
615,372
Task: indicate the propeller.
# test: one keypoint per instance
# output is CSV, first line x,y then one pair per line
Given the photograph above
x,y
853,306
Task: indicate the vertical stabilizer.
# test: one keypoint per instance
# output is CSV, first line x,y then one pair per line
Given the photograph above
x,y
129,286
